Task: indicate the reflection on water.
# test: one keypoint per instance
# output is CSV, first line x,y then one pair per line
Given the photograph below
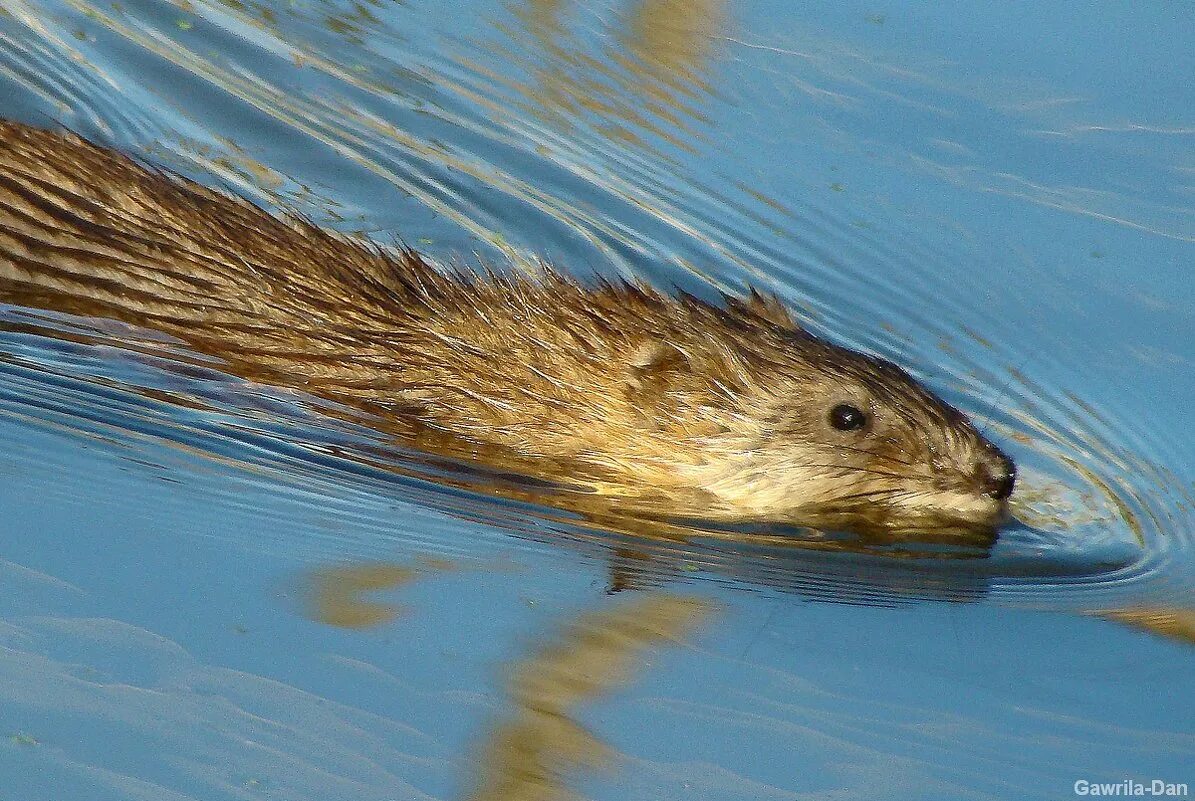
x,y
334,595
637,72
674,38
1177,624
530,754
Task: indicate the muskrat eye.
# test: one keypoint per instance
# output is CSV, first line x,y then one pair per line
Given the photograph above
x,y
845,417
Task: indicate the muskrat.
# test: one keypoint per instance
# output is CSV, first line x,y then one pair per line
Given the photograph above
x,y
662,404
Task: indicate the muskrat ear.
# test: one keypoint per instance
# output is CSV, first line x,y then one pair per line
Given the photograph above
x,y
654,367
656,358
764,305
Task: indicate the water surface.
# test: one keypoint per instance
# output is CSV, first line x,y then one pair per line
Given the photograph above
x,y
215,589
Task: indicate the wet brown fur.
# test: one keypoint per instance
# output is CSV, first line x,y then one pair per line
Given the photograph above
x,y
666,404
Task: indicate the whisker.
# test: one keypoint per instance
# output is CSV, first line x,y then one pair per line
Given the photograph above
x,y
874,455
867,494
848,469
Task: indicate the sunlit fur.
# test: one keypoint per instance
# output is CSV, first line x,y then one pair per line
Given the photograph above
x,y
663,404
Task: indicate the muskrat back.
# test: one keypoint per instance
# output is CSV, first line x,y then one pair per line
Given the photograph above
x,y
662,404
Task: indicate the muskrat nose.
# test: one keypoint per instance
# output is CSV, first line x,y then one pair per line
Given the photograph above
x,y
997,474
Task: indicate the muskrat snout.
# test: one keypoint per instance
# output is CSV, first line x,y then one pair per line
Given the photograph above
x,y
997,473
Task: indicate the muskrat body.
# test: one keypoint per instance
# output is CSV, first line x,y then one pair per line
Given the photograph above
x,y
665,405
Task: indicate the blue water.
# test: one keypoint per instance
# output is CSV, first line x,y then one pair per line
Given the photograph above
x,y
213,590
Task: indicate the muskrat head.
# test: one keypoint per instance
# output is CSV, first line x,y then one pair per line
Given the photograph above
x,y
787,427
